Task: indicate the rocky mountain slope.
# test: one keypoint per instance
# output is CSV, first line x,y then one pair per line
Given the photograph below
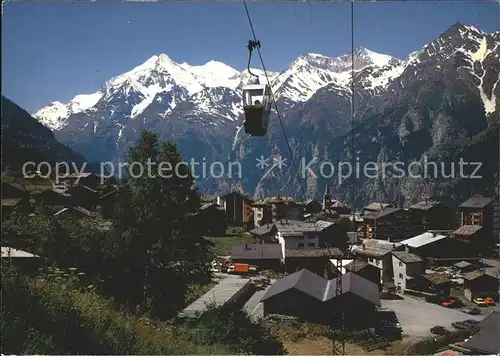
x,y
441,100
24,139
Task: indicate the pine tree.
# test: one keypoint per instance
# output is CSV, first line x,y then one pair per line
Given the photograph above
x,y
158,249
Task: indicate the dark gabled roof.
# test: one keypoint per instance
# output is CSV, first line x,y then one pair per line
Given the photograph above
x,y
263,230
256,251
476,202
237,193
323,289
357,265
82,187
467,230
487,340
476,274
305,281
425,205
406,257
381,214
312,252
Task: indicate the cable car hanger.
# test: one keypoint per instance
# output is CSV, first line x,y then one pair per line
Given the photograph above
x,y
251,46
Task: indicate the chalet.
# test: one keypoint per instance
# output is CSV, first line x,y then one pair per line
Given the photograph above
x,y
265,256
212,219
312,207
9,205
480,284
364,269
316,260
480,211
375,208
53,197
431,244
307,296
296,234
378,254
406,267
265,233
470,234
25,261
435,215
238,209
262,213
392,224
436,283
465,267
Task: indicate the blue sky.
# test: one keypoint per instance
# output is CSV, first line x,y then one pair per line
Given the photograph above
x,y
53,51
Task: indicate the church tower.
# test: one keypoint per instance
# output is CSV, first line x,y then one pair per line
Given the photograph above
x,y
327,198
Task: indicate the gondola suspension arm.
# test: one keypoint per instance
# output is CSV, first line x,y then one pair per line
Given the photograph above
x,y
251,46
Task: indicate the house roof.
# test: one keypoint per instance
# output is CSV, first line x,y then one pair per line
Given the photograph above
x,y
487,340
237,193
83,187
425,205
256,251
437,278
467,230
77,208
298,227
377,206
312,252
14,253
470,276
476,202
422,239
210,205
375,248
11,201
381,214
357,265
406,257
462,264
323,289
263,230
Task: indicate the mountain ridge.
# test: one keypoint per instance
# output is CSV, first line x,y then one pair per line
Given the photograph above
x,y
442,92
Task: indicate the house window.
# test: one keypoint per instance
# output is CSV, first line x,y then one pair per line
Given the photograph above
x,y
301,244
400,276
311,244
400,264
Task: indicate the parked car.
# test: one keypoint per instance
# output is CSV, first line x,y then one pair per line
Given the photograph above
x,y
439,330
471,311
459,325
470,322
489,301
451,303
480,302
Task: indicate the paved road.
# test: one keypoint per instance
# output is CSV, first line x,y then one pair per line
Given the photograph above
x,y
417,316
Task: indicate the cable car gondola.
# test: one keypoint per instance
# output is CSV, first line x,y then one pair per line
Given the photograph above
x,y
256,101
